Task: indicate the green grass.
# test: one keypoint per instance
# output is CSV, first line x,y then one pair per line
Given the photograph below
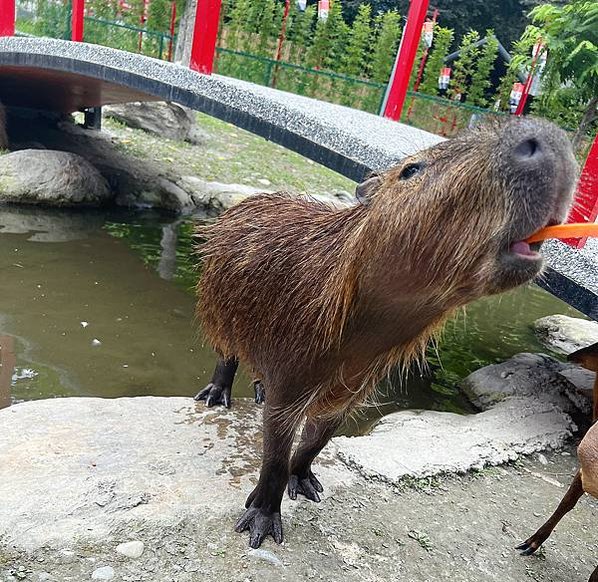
x,y
231,155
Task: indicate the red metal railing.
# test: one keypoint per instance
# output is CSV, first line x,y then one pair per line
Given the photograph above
x,y
7,17
586,201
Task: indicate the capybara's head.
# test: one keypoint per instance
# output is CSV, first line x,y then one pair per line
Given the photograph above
x,y
452,220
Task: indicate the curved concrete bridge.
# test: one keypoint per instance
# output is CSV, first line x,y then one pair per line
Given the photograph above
x,y
65,76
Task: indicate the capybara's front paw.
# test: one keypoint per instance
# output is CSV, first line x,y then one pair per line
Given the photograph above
x,y
308,486
215,394
260,524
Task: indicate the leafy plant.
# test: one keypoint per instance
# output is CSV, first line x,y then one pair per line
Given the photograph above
x,y
464,66
570,33
388,32
480,80
443,37
355,59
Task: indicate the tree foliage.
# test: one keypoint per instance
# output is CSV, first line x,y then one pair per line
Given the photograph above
x,y
464,66
388,32
443,37
480,79
356,56
570,33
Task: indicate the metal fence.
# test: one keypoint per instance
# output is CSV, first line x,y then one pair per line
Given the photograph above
x,y
434,114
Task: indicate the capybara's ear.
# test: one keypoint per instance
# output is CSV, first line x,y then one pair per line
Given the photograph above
x,y
365,190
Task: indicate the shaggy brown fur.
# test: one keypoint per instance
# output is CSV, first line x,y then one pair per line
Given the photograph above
x,y
322,302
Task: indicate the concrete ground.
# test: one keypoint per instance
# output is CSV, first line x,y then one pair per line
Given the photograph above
x,y
78,477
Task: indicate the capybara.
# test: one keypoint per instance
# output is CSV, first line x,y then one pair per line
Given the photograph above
x,y
3,134
586,480
321,302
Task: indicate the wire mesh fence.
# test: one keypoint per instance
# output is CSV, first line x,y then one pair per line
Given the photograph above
x,y
435,114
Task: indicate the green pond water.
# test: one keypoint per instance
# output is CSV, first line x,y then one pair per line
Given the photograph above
x,y
102,304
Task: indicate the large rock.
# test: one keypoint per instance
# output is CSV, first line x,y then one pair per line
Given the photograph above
x,y
427,443
158,117
535,376
565,334
51,178
215,197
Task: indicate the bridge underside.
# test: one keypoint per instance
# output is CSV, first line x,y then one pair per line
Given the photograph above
x,y
66,76
54,90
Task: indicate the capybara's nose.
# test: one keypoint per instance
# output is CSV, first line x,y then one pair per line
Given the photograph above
x,y
529,151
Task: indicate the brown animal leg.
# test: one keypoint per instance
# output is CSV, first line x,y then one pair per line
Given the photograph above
x,y
594,576
302,481
218,391
262,517
575,491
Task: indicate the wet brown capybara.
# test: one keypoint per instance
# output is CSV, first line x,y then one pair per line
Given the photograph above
x,y
322,302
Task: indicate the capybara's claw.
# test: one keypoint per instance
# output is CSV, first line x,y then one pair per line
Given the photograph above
x,y
260,392
215,394
308,486
260,524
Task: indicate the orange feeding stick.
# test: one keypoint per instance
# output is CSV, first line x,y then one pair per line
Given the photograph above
x,y
573,230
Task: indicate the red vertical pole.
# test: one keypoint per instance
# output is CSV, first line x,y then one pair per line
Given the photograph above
x,y
7,17
281,38
172,27
77,20
399,82
207,18
527,86
585,208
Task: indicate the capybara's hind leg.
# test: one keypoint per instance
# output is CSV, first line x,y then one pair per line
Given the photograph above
x,y
315,436
594,576
260,392
575,491
262,517
218,391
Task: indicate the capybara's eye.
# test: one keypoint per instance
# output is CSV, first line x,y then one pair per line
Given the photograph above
x,y
410,170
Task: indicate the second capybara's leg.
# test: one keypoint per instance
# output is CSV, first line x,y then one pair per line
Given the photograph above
x,y
575,491
262,517
219,390
315,436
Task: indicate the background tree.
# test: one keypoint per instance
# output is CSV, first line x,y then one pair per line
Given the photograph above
x,y
443,37
300,33
356,56
329,40
464,66
519,51
571,35
388,33
508,17
480,80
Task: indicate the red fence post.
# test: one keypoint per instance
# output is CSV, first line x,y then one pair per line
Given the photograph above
x,y
7,17
172,27
585,208
77,20
399,82
205,33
